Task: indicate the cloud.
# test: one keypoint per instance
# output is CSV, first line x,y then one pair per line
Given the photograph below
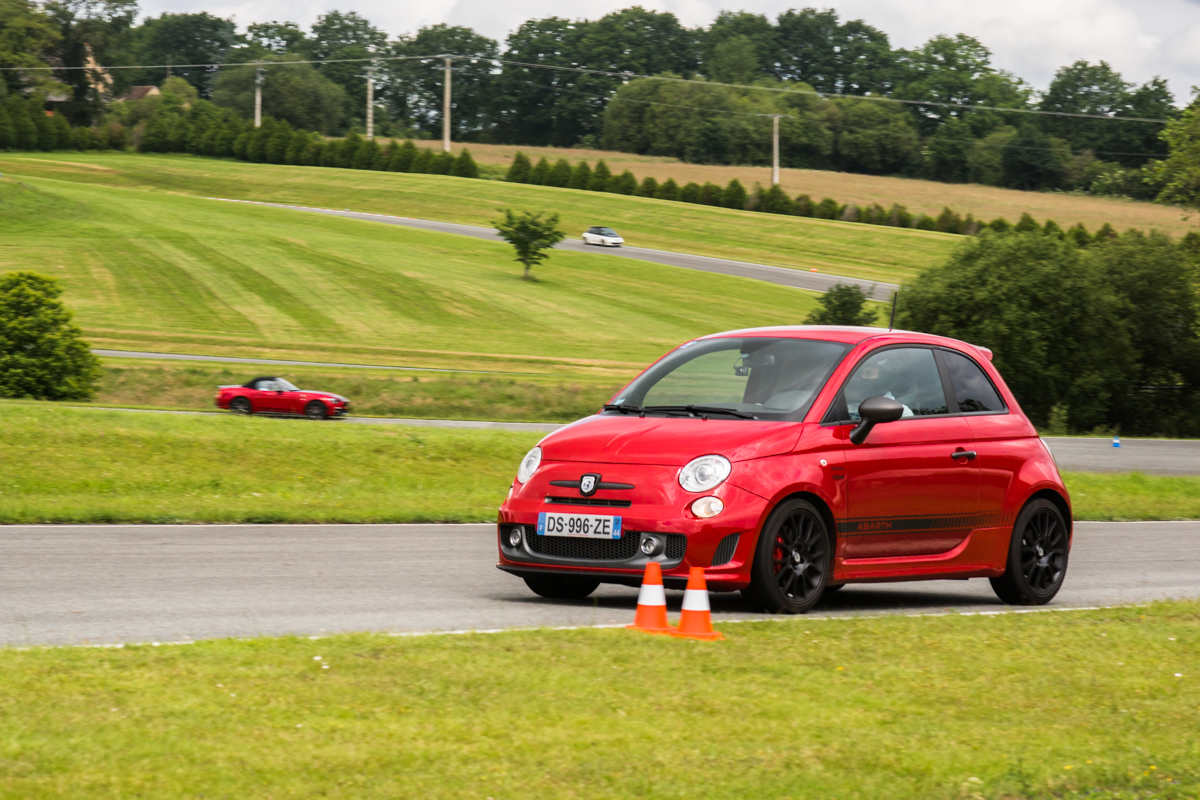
x,y
1031,38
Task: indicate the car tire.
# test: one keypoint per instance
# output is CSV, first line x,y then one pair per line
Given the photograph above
x,y
561,587
1037,556
316,410
793,560
241,405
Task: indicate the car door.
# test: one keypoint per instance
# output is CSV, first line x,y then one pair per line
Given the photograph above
x,y
269,397
1002,441
909,495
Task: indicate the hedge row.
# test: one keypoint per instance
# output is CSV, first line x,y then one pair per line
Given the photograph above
x,y
25,125
769,201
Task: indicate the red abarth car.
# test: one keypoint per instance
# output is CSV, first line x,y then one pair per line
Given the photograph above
x,y
272,395
788,462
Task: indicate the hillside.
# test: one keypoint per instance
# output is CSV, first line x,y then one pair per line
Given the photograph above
x,y
157,271
920,196
839,248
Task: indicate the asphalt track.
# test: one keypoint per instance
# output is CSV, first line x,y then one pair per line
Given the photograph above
x,y
795,278
109,584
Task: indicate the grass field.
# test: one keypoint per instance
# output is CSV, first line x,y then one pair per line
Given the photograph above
x,y
840,248
378,393
929,197
1087,704
95,466
169,273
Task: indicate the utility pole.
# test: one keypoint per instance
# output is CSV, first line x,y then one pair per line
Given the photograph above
x,y
774,149
259,77
446,108
370,102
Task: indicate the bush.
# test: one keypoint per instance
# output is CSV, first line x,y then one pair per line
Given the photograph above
x,y
691,193
42,354
441,164
826,209
948,222
842,305
774,201
924,222
734,195
668,190
581,176
1000,225
537,175
711,194
600,177
401,158
648,188
518,171
899,217
1027,224
624,183
559,175
465,166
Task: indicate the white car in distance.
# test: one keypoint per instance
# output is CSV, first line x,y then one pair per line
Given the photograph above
x,y
605,237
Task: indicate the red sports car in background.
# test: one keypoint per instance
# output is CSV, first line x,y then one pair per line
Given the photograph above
x,y
272,395
788,462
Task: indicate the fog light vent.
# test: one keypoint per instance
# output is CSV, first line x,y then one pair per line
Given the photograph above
x,y
651,546
514,537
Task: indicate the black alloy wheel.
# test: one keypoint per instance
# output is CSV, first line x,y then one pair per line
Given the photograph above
x,y
793,560
559,587
240,405
1037,556
316,410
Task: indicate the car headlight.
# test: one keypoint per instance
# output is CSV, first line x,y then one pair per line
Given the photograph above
x,y
704,473
529,465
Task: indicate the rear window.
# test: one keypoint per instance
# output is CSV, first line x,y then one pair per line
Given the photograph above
x,y
972,389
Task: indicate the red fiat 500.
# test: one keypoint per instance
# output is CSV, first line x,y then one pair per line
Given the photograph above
x,y
788,462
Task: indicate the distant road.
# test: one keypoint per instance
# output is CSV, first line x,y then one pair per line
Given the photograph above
x,y
66,584
795,278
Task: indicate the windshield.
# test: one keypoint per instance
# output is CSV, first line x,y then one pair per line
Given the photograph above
x,y
285,386
775,379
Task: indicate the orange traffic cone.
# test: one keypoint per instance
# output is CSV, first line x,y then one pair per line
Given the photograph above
x,y
652,603
696,620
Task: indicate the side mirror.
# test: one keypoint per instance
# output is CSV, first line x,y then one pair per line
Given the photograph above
x,y
873,411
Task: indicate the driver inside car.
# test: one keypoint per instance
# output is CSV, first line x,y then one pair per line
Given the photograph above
x,y
874,379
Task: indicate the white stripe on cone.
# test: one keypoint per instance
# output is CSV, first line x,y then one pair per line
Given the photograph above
x,y
695,600
652,594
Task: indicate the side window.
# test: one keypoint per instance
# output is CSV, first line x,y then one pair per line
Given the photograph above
x,y
266,386
972,388
907,374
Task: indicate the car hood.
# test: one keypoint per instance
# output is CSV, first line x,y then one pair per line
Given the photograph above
x,y
667,441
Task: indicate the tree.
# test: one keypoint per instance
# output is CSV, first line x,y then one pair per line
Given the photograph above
x,y
1047,314
774,201
832,56
26,35
560,174
581,176
414,89
648,188
90,32
739,47
1179,173
668,190
337,36
1033,160
734,60
42,354
183,39
537,176
401,160
600,177
842,305
296,93
531,235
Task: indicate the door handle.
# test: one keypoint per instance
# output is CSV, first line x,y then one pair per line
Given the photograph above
x,y
957,454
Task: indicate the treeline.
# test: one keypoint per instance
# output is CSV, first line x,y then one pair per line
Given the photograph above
x,y
509,102
774,200
1103,338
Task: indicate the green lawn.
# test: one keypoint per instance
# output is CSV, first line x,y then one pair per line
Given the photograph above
x,y
1089,704
378,393
840,248
96,465
164,272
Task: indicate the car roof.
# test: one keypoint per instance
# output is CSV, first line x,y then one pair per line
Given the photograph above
x,y
250,383
849,334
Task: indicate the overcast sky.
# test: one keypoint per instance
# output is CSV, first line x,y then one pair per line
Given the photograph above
x,y
1032,38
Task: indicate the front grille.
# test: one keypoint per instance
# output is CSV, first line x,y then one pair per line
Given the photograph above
x,y
584,549
580,549
587,501
725,550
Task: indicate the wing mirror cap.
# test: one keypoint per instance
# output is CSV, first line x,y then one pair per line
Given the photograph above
x,y
873,411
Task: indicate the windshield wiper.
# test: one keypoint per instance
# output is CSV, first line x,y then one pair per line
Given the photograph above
x,y
697,410
624,409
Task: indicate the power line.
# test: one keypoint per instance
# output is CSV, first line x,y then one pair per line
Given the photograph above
x,y
625,76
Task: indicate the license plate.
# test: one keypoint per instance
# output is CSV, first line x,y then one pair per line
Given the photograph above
x,y
586,526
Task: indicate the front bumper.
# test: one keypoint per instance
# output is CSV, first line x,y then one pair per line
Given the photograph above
x,y
657,507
